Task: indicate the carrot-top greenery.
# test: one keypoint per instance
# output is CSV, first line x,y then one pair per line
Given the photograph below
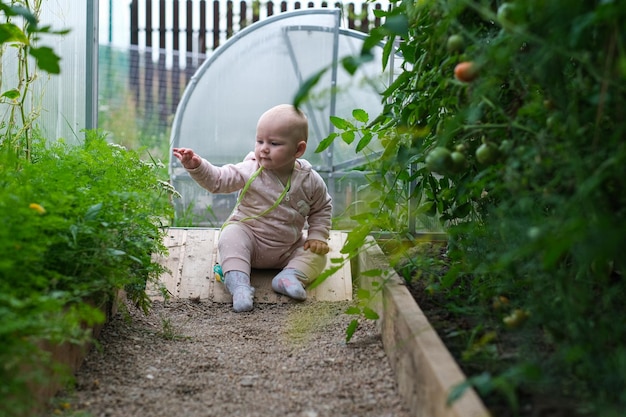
x,y
79,224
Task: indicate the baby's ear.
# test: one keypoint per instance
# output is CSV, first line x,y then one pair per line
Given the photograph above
x,y
300,149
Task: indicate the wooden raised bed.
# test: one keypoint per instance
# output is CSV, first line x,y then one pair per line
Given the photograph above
x,y
69,356
425,370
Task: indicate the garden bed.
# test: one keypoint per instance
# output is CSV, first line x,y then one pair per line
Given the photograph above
x,y
425,371
477,340
68,357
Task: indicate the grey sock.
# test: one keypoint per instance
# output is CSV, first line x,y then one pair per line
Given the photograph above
x,y
238,284
287,283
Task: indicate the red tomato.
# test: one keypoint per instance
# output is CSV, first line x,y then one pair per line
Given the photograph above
x,y
466,71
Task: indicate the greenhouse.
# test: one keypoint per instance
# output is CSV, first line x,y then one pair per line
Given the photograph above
x,y
260,67
437,233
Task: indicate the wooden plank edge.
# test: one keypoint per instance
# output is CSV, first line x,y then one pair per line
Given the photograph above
x,y
70,356
424,369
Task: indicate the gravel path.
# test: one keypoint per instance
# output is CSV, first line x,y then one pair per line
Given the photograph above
x,y
188,359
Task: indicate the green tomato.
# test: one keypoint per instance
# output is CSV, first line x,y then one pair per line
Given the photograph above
x,y
534,233
458,161
455,43
505,146
486,154
509,15
439,160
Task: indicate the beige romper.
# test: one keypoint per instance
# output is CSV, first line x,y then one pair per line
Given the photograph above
x,y
275,239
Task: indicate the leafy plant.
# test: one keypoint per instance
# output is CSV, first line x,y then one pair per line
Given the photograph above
x,y
80,223
23,36
534,209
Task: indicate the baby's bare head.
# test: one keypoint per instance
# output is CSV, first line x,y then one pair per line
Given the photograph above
x,y
285,121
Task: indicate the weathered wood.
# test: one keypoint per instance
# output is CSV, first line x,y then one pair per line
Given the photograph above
x,y
169,281
197,268
203,31
424,368
193,253
338,287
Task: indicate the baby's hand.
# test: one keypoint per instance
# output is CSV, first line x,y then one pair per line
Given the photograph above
x,y
187,157
317,246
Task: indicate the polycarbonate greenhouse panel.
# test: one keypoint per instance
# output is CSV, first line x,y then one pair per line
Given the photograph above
x,y
260,67
64,103
69,99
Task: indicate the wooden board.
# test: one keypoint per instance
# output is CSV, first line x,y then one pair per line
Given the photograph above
x,y
173,261
193,253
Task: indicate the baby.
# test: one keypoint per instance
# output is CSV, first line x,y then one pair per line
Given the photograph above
x,y
278,194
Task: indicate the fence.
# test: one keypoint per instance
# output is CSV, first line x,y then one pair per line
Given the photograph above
x,y
226,21
170,40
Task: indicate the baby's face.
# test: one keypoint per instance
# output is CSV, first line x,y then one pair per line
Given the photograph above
x,y
276,145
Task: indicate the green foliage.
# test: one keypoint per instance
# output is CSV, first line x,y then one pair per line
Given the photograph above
x,y
25,37
79,223
362,309
22,38
536,211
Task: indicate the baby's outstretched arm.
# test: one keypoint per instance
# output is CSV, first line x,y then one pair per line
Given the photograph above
x,y
317,246
188,157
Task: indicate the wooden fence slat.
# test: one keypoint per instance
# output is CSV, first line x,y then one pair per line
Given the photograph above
x,y
229,19
216,23
202,44
176,70
148,24
189,69
162,24
243,13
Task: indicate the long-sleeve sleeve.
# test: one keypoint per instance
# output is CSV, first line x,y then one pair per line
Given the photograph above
x,y
225,179
320,216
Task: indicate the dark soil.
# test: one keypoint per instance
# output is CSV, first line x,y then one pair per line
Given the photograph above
x,y
191,358
475,339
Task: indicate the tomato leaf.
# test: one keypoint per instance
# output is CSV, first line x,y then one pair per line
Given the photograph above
x,y
348,136
353,310
356,238
363,294
364,141
340,123
370,314
307,86
11,94
11,33
354,324
360,115
397,25
326,142
46,59
324,276
372,272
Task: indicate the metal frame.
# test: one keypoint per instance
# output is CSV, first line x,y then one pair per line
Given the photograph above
x,y
91,65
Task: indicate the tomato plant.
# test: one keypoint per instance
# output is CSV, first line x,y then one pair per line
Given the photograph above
x,y
538,211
